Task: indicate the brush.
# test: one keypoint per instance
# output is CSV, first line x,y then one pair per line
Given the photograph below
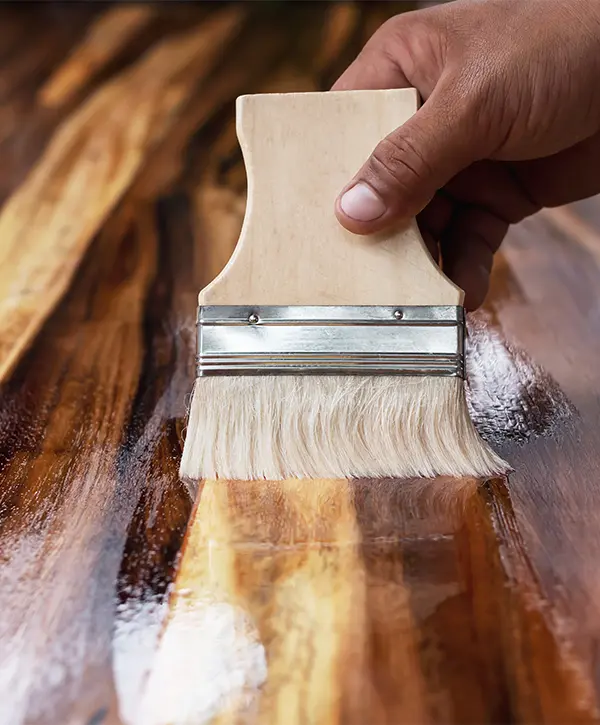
x,y
323,354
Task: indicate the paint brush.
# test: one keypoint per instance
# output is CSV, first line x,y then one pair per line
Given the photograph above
x,y
322,354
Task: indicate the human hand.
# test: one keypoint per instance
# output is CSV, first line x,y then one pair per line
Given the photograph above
x,y
510,124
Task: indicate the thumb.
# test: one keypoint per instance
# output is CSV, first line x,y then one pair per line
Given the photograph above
x,y
407,168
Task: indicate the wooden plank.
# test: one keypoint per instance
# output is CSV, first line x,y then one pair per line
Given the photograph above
x,y
83,175
549,680
65,512
547,303
459,603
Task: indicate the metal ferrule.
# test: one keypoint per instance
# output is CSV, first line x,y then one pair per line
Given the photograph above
x,y
330,340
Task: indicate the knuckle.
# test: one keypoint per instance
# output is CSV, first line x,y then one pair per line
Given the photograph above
x,y
387,34
399,160
394,26
417,45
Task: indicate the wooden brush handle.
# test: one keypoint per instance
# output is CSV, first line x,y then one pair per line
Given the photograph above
x,y
300,149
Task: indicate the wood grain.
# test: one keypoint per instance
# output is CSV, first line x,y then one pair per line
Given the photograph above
x,y
83,174
106,37
351,602
366,601
49,476
548,305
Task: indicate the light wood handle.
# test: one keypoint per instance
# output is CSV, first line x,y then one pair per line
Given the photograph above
x,y
300,149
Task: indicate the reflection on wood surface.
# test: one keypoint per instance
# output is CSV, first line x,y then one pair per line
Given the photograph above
x,y
360,601
356,602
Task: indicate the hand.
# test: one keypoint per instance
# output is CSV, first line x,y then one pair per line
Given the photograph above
x,y
510,124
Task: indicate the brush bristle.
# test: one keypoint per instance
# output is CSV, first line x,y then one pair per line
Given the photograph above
x,y
278,427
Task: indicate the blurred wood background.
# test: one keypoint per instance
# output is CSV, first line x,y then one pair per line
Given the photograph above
x,y
122,192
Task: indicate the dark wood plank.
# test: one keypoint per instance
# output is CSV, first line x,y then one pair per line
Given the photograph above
x,y
379,602
65,509
548,304
82,175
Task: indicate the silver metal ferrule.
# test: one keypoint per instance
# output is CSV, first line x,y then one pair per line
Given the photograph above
x,y
330,340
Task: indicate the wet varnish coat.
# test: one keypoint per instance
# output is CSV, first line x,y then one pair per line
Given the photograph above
x,y
326,602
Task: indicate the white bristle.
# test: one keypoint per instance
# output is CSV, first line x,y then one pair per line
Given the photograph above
x,y
278,427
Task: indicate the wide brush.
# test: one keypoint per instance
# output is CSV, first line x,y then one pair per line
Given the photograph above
x,y
322,354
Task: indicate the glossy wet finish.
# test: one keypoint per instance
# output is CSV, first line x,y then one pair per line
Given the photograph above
x,y
320,602
360,602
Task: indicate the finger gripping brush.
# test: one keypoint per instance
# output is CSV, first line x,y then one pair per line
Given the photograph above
x,y
322,354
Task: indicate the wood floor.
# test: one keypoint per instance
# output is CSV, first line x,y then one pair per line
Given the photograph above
x,y
338,603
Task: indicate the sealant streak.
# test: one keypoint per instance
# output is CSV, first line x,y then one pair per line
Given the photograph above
x,y
140,617
50,625
57,576
210,660
137,629
510,397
